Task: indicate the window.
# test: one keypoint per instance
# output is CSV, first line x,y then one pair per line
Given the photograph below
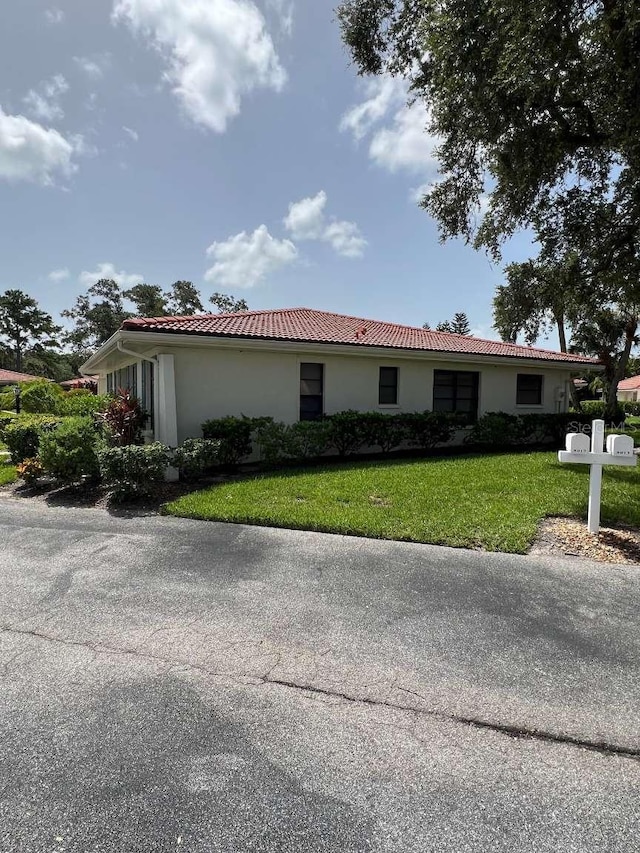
x,y
388,386
146,394
125,378
311,391
529,390
456,391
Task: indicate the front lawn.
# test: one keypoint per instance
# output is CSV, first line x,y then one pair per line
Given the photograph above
x,y
492,502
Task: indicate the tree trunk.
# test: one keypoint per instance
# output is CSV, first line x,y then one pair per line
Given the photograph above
x,y
562,336
617,371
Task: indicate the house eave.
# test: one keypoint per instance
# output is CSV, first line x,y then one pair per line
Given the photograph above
x,y
157,340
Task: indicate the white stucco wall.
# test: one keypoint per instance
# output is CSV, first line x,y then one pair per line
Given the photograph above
x,y
213,382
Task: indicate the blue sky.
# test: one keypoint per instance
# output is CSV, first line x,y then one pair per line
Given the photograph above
x,y
226,142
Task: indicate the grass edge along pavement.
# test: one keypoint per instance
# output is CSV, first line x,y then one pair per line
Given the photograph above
x,y
494,502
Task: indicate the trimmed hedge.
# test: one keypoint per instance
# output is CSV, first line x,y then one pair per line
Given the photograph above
x,y
134,470
498,430
196,457
68,452
22,435
234,435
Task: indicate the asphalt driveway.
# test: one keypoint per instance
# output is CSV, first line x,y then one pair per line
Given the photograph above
x,y
170,685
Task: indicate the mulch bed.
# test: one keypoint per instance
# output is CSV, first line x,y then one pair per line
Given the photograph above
x,y
99,497
569,537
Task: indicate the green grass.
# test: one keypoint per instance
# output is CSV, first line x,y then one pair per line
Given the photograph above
x,y
492,502
7,473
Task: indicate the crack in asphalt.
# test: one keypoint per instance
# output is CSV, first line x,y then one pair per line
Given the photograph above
x,y
517,732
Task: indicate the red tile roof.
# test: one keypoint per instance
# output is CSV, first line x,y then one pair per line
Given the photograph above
x,y
307,325
629,384
9,376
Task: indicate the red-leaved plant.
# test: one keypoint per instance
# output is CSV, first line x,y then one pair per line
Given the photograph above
x,y
124,419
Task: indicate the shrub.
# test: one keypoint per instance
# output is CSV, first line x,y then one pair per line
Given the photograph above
x,y
234,435
426,429
195,457
6,418
83,403
496,429
595,409
7,400
631,407
123,419
22,435
348,432
309,439
133,470
68,452
274,442
40,397
382,430
30,470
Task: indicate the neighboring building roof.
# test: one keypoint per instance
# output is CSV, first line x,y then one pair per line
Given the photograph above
x,y
8,377
80,382
629,384
306,325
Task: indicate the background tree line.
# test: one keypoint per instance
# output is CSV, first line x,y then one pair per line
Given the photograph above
x,y
32,342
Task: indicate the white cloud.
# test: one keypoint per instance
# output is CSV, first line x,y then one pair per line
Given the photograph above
x,y
133,134
31,152
283,12
54,16
306,220
398,138
93,66
44,103
106,270
59,275
217,51
245,259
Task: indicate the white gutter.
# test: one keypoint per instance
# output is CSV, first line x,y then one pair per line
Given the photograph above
x,y
153,359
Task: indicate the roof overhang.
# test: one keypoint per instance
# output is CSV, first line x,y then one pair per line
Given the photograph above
x,y
154,341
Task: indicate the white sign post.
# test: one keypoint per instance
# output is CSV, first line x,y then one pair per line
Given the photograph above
x,y
619,452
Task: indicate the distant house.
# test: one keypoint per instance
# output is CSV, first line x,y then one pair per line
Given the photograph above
x,y
296,364
89,383
11,377
629,389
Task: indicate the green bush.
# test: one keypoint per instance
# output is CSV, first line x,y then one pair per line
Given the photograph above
x,y
7,400
274,442
133,470
496,429
6,418
631,407
309,439
348,431
22,435
68,452
40,397
595,409
83,403
196,457
234,435
427,429
382,430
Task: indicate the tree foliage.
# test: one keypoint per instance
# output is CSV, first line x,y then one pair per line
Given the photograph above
x,y
148,299
97,315
183,300
228,304
536,109
23,325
